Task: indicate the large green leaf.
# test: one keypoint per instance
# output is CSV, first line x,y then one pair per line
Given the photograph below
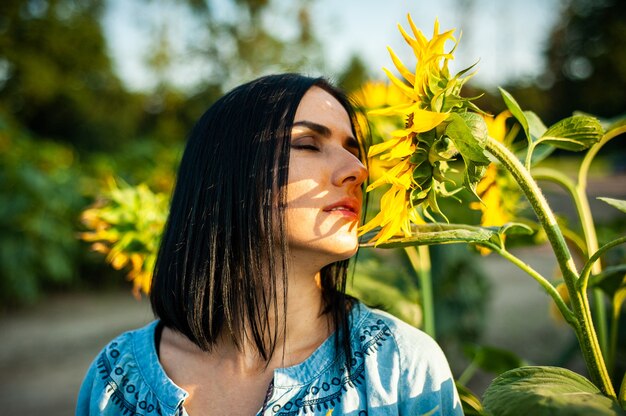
x,y
540,391
574,133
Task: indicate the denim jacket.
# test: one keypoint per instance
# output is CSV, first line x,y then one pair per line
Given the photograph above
x,y
395,370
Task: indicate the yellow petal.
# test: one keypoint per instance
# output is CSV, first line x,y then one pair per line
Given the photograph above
x,y
401,109
390,176
371,224
408,75
413,43
402,149
408,91
424,120
419,36
496,126
382,147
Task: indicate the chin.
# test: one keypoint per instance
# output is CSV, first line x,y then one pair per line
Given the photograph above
x,y
344,247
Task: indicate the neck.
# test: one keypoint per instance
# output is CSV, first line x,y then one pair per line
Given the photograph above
x,y
299,331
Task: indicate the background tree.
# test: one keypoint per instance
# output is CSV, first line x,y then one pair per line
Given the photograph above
x,y
586,63
56,77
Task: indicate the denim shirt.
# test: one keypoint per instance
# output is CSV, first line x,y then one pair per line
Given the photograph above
x,y
395,370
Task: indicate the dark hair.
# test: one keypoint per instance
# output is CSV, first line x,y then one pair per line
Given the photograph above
x,y
224,246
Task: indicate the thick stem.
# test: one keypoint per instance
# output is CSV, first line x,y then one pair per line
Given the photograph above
x,y
579,196
420,260
584,331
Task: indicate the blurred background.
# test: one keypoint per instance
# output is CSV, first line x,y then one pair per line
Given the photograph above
x,y
92,90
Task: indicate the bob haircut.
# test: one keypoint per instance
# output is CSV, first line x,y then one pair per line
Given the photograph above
x,y
224,250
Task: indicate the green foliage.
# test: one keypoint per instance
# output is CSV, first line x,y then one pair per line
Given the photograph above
x,y
574,133
542,391
354,75
39,202
491,359
384,281
460,288
59,81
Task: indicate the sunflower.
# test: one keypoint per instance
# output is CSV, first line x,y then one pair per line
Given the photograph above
x,y
432,136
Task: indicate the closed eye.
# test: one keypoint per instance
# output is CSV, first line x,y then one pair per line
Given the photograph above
x,y
305,147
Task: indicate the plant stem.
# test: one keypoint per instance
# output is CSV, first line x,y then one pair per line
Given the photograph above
x,y
579,196
613,337
420,260
585,330
589,230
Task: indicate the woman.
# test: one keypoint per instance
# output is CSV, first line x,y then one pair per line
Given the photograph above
x,y
248,290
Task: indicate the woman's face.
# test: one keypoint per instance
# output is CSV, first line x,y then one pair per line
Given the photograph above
x,y
324,193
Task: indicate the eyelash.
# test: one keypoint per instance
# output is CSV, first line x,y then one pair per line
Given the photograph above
x,y
306,147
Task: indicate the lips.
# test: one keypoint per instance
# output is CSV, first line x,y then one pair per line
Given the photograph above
x,y
347,206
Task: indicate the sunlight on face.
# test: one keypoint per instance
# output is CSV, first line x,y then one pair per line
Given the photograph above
x,y
324,188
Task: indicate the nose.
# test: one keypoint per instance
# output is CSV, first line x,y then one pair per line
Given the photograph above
x,y
349,170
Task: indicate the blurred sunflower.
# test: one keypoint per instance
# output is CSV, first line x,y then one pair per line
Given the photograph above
x,y
126,226
419,154
375,95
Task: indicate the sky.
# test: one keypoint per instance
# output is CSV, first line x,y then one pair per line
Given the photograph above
x,y
507,38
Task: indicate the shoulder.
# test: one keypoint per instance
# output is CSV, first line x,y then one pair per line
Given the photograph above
x,y
403,364
127,378
410,343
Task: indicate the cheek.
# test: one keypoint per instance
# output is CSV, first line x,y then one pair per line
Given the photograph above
x,y
304,185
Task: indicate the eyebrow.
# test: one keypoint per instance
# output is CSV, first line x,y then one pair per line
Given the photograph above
x,y
324,131
318,128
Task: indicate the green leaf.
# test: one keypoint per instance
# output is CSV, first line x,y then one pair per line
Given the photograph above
x,y
574,133
468,131
615,203
493,360
516,110
535,125
473,174
540,391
